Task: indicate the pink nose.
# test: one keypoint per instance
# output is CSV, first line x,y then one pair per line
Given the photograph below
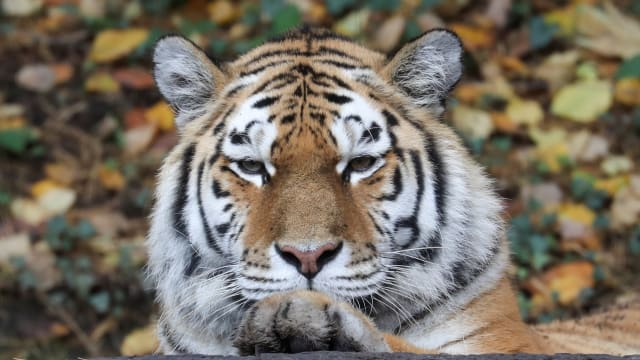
x,y
309,263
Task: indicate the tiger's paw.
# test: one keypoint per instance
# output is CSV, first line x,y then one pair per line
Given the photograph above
x,y
306,321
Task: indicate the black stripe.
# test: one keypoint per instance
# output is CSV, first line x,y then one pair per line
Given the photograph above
x,y
268,101
181,196
391,120
211,240
440,182
263,67
397,186
339,64
337,99
288,119
285,76
328,50
194,262
217,190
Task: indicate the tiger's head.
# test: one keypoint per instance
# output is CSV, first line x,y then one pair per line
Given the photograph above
x,y
312,162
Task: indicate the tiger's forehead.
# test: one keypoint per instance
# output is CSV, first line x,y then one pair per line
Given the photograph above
x,y
305,111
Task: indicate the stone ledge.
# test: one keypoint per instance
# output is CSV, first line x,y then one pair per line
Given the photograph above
x,y
323,355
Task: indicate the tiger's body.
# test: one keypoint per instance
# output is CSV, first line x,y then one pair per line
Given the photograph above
x,y
316,202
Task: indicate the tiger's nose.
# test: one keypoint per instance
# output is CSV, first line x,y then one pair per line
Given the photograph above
x,y
309,263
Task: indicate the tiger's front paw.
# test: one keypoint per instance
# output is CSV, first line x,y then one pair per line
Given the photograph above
x,y
306,321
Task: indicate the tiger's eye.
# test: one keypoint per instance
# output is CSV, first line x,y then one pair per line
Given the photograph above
x,y
251,166
362,163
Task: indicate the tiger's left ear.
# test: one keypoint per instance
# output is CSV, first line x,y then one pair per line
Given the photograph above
x,y
427,68
186,77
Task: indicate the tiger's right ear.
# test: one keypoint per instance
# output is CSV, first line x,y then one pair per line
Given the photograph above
x,y
185,76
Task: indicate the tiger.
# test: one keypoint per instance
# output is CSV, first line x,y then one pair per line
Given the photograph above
x,y
316,200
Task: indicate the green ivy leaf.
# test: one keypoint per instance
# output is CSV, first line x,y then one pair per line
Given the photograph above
x,y
629,68
15,140
336,7
540,32
288,17
100,301
384,5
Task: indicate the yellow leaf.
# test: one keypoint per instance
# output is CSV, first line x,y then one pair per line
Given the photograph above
x,y
223,12
101,82
552,155
473,37
583,101
576,212
161,115
568,280
564,18
41,187
628,91
526,112
141,341
111,179
111,45
612,185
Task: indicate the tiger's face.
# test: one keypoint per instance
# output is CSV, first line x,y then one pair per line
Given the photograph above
x,y
311,163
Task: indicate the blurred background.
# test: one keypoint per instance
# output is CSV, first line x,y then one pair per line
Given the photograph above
x,y
550,104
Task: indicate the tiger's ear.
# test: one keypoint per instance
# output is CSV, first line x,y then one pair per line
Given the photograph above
x,y
186,77
427,68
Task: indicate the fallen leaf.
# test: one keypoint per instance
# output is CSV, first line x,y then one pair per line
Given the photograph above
x,y
474,123
223,12
612,185
10,111
558,69
57,200
134,78
625,209
524,112
389,33
60,173
630,68
141,341
39,77
14,245
616,164
503,123
353,24
28,211
473,38
111,179
63,72
607,31
138,139
134,118
584,146
110,45
576,212
42,263
41,187
21,8
101,82
93,8
161,115
568,280
583,101
628,91
548,194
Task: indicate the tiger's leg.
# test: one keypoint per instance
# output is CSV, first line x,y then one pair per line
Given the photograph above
x,y
310,321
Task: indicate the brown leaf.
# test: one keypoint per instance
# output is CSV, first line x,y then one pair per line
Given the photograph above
x,y
134,78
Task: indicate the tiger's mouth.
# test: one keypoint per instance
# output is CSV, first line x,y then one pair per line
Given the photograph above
x,y
332,269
